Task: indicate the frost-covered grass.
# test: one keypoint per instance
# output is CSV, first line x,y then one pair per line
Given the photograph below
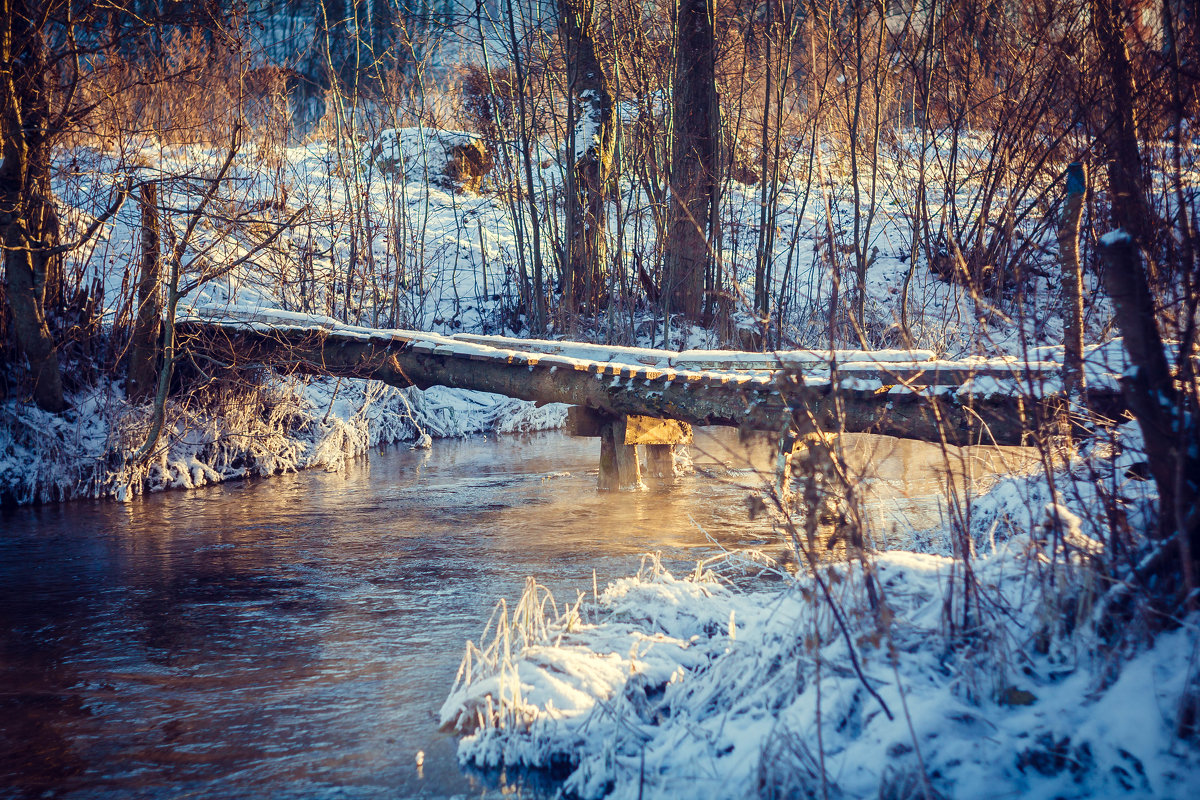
x,y
740,679
665,686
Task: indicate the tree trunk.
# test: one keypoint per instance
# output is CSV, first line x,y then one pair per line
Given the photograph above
x,y
143,345
592,162
1119,135
1168,420
694,157
1072,279
29,225
537,312
1150,394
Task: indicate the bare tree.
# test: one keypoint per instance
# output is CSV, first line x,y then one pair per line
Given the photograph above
x,y
143,347
695,158
592,120
29,227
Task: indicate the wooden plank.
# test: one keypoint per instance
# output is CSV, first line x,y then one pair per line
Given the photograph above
x,y
608,479
651,430
660,460
619,466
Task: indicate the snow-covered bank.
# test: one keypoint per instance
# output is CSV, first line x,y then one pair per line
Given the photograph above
x,y
667,686
281,426
980,677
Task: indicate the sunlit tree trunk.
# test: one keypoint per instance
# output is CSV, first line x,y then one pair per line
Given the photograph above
x,y
143,346
694,157
1072,278
592,161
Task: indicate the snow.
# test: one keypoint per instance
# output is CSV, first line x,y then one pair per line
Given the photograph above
x,y
417,154
697,358
737,680
305,423
665,686
447,257
587,129
1111,238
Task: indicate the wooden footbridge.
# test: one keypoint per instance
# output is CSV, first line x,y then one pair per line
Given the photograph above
x,y
629,396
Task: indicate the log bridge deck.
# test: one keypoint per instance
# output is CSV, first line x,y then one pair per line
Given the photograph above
x,y
620,392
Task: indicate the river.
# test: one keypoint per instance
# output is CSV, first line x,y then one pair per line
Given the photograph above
x,y
295,637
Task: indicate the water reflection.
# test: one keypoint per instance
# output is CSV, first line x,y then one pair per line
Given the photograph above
x,y
295,637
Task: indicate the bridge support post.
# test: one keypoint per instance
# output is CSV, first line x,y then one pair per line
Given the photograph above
x,y
619,467
660,460
619,440
783,464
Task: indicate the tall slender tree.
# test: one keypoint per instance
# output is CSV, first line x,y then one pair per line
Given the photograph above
x,y
29,227
695,153
594,122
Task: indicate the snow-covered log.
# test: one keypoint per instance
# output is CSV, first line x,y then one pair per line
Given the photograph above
x,y
702,397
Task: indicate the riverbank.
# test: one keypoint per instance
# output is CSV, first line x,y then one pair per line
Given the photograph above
x,y
273,426
662,687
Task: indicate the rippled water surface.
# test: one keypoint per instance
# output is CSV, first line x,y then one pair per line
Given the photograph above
x,y
295,637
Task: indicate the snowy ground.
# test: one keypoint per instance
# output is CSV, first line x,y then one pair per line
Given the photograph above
x,y
664,687
380,237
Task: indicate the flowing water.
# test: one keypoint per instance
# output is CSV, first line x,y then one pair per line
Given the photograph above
x,y
295,637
